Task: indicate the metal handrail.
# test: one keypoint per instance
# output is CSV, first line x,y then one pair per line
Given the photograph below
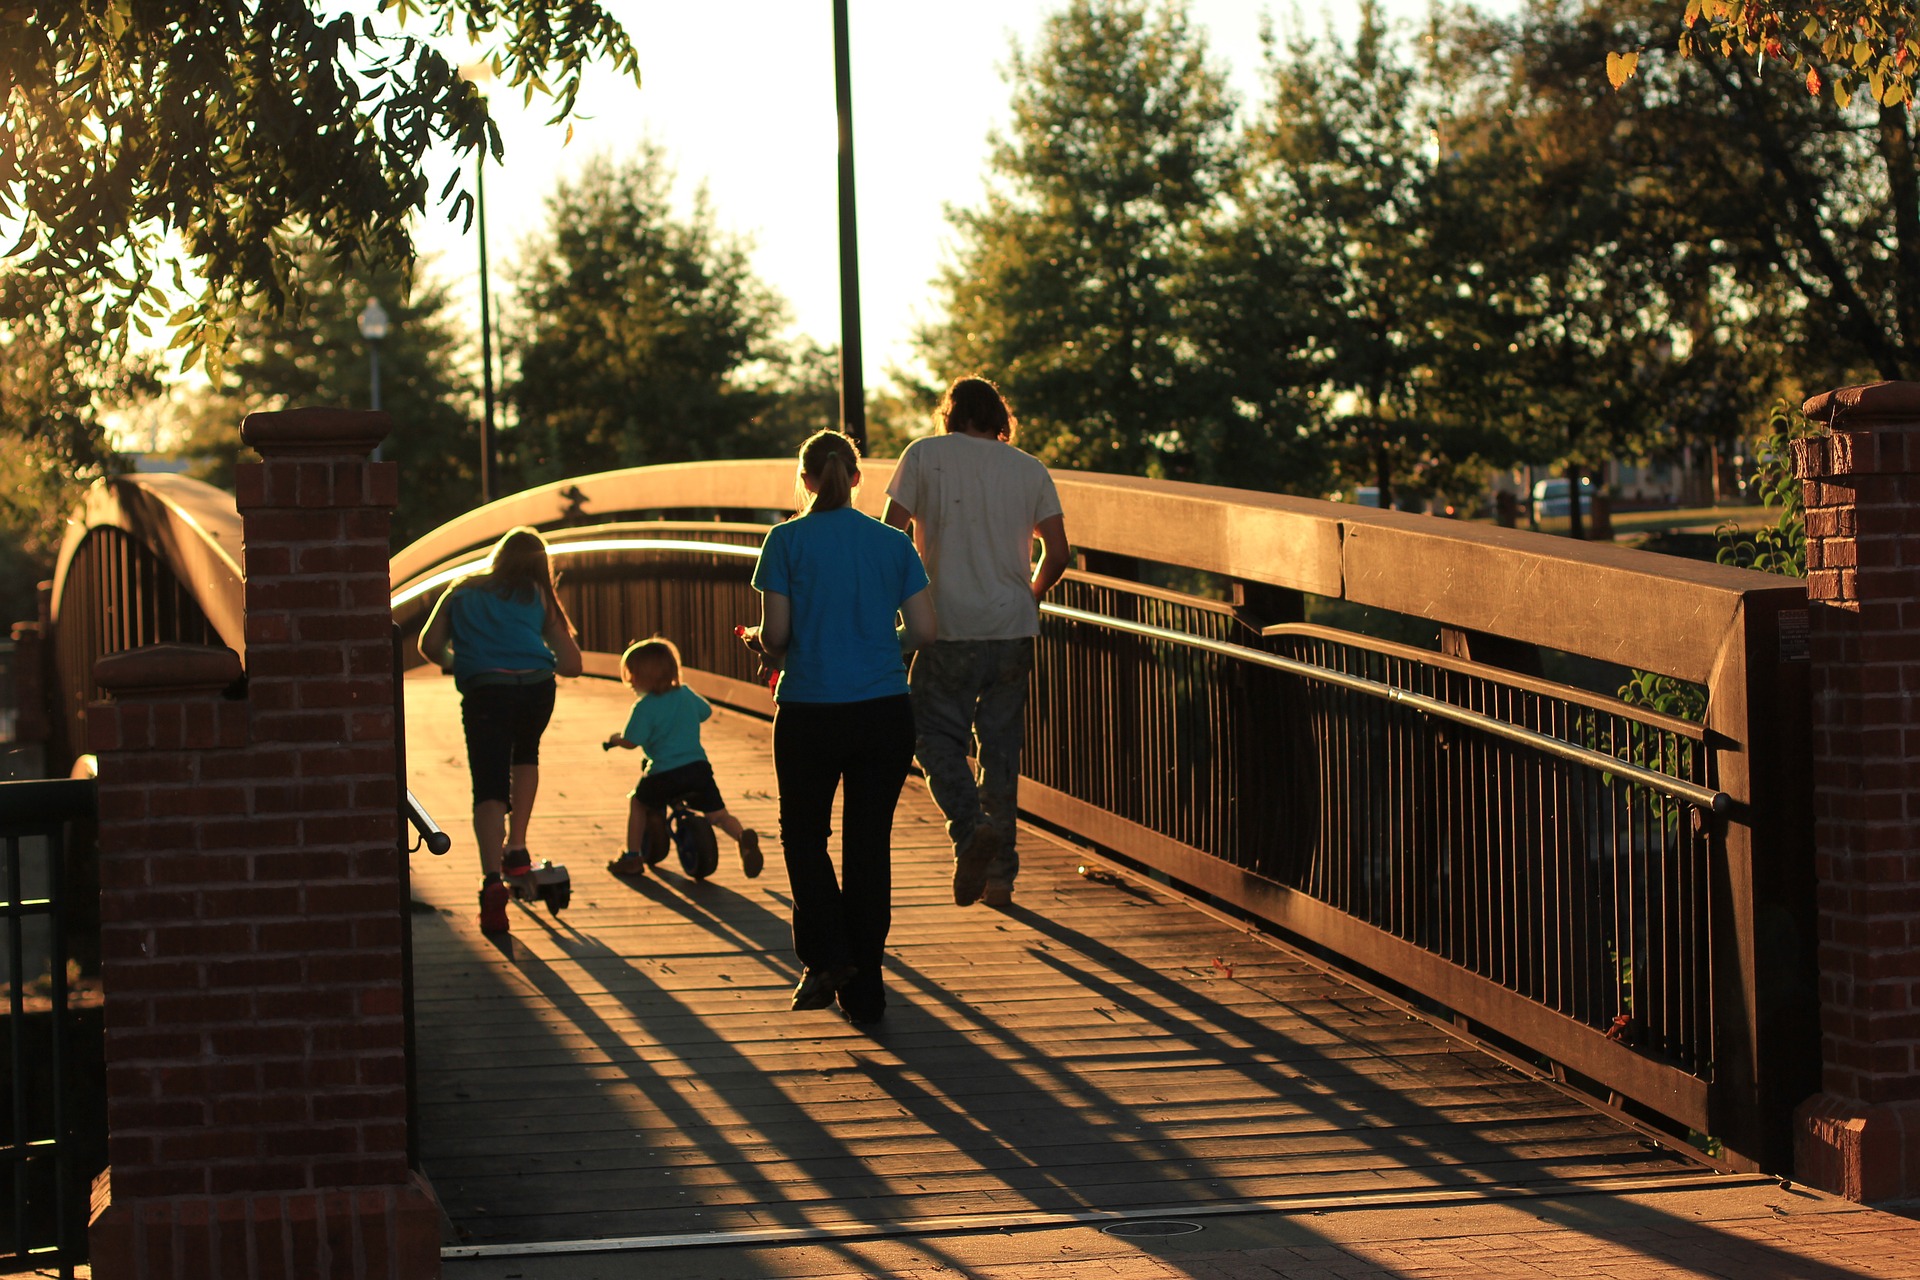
x,y
559,550
1718,802
1704,797
436,840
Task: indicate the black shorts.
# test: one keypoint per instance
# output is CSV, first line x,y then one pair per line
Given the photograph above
x,y
503,723
694,781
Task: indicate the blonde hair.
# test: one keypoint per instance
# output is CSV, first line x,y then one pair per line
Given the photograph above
x,y
656,654
519,569
832,461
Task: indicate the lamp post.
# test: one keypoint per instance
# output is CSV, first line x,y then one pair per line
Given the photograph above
x,y
853,402
374,326
477,74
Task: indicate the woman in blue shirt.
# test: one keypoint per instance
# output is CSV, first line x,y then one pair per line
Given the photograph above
x,y
835,586
505,636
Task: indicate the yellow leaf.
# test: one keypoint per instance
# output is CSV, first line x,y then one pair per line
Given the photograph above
x,y
1620,67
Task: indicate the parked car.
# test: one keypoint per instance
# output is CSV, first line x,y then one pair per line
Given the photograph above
x,y
1551,498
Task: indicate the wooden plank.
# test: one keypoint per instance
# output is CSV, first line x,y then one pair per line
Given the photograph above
x,y
1667,1089
1657,613
630,1067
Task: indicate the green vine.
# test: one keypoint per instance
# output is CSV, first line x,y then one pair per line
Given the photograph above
x,y
1782,547
1778,548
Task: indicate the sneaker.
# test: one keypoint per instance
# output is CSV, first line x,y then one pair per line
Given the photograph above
x,y
493,907
859,1015
970,863
998,893
628,863
751,860
516,862
818,987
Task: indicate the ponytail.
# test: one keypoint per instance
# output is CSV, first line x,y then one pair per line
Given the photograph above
x,y
832,462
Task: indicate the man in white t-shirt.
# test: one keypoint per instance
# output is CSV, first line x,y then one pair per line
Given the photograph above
x,y
975,504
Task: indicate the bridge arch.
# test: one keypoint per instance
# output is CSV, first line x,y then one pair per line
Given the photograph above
x,y
147,559
1156,729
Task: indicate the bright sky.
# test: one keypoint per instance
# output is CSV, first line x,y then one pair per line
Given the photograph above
x,y
741,94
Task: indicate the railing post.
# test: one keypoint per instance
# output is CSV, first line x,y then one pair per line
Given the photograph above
x,y
252,958
1860,1136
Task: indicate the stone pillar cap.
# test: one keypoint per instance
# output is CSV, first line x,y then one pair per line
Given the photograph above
x,y
161,669
295,432
1868,403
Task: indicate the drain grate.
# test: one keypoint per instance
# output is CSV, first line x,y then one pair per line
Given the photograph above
x,y
1152,1227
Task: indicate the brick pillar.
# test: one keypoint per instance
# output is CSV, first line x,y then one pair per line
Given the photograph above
x,y
251,905
1860,1136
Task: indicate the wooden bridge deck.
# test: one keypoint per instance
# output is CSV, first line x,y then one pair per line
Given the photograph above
x,y
631,1069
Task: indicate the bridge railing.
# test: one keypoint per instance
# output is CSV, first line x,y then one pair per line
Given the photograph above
x,y
149,559
1625,894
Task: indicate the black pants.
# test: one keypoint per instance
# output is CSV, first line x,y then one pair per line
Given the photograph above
x,y
818,748
503,723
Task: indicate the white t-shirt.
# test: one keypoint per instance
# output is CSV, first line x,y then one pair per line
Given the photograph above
x,y
975,505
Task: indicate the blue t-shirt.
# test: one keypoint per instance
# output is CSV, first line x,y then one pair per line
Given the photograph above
x,y
846,576
666,726
492,634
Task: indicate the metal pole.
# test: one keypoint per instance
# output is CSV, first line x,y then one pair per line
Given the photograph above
x,y
373,359
486,340
853,403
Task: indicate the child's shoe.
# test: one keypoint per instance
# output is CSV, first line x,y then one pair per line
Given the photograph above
x,y
628,863
998,893
516,862
493,907
750,859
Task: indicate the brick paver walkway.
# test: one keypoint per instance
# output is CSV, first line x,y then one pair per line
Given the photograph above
x,y
1755,1231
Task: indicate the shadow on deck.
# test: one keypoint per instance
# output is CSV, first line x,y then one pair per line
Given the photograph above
x,y
630,1071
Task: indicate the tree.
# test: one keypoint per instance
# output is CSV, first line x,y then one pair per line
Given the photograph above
x,y
1766,236
1072,282
52,394
224,125
316,356
637,337
1875,43
1382,234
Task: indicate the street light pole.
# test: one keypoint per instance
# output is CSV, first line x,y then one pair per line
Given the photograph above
x,y
478,74
853,402
374,325
486,339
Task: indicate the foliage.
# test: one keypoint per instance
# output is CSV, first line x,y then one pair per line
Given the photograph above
x,y
1073,280
636,337
1668,695
1782,547
138,130
315,355
1870,42
1388,237
54,390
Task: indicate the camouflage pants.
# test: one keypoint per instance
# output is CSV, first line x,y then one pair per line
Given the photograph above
x,y
970,698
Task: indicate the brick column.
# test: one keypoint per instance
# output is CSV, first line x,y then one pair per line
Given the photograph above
x,y
251,904
1860,1136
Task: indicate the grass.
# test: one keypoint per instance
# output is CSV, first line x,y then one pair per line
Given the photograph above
x,y
1691,519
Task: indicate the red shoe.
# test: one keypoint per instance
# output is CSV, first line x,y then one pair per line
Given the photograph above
x,y
493,907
